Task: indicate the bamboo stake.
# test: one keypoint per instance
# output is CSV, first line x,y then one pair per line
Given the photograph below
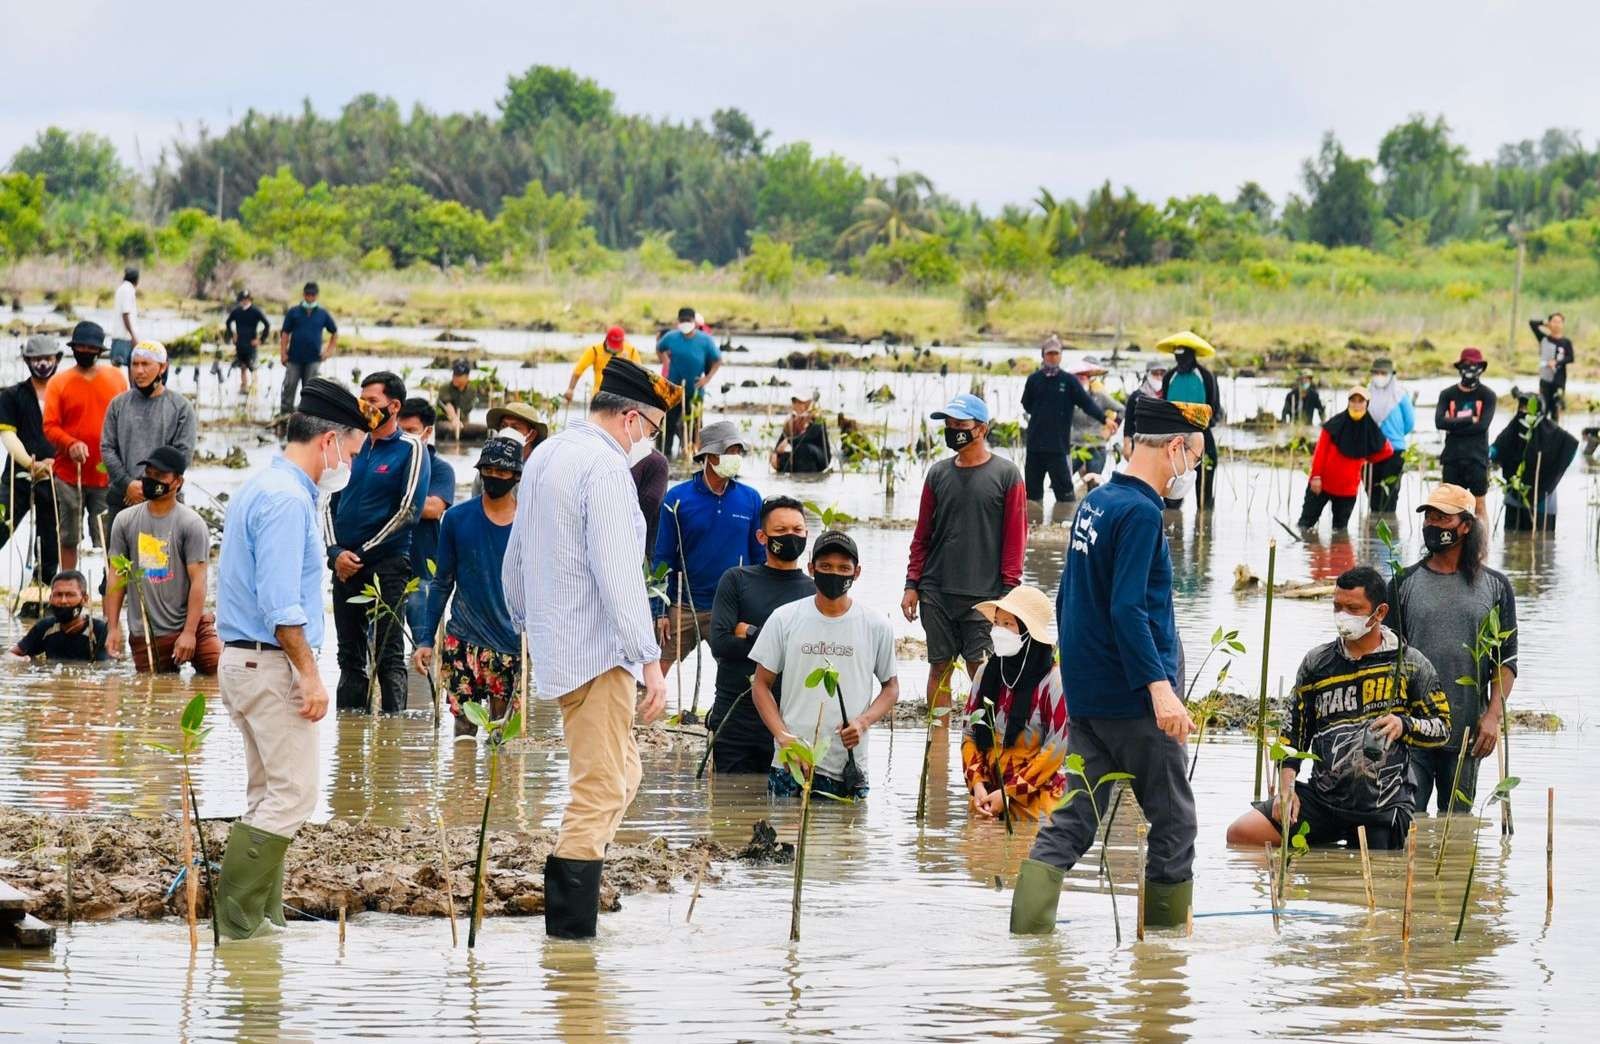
x,y
522,722
70,909
449,882
1139,924
1266,647
1411,877
1550,855
1366,867
341,922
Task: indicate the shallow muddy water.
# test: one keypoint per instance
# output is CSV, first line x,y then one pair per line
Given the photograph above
x,y
904,931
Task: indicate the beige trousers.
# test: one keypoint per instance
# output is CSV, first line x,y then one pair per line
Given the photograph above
x,y
602,763
262,693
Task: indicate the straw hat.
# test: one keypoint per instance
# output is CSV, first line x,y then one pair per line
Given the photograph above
x,y
1031,606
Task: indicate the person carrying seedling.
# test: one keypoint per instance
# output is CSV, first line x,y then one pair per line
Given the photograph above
x,y
30,456
67,632
829,629
1533,453
1438,607
168,548
1190,381
1360,711
75,404
368,527
1464,413
746,599
270,619
482,657
1389,404
458,398
596,356
1119,633
575,585
972,529
707,526
802,447
1017,696
1349,439
417,417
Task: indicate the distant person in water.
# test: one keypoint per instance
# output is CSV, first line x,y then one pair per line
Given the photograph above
x,y
1389,404
1348,440
1555,355
67,631
1533,453
1303,404
803,444
1464,413
1190,382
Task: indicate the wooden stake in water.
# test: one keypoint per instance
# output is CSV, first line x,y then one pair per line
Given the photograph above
x,y
1550,855
341,922
1266,647
1366,867
1272,885
1138,930
449,882
1411,879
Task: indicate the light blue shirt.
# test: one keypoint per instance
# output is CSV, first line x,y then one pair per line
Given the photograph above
x,y
270,572
692,356
574,567
1399,424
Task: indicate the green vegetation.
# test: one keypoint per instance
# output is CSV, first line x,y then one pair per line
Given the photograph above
x,y
191,734
495,733
1102,823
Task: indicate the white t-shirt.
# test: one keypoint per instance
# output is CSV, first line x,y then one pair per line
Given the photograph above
x,y
796,640
127,303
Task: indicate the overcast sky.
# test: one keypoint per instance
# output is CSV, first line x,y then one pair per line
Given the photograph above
x,y
991,98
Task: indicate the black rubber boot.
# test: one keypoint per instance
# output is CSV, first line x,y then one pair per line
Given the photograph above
x,y
571,897
252,868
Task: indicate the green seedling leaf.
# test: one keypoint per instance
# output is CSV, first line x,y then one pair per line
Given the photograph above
x,y
413,585
1466,679
1069,797
939,712
475,713
1503,789
433,567
1112,777
1385,534
1074,764
360,599
1463,798
1216,636
163,748
815,677
1299,842
513,725
194,714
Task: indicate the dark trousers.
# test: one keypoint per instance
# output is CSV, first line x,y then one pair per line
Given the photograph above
x,y
676,427
1383,483
1521,520
1434,769
1040,463
35,497
1551,396
1160,782
351,624
1311,511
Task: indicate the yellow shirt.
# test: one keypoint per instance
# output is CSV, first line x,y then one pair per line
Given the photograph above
x,y
595,357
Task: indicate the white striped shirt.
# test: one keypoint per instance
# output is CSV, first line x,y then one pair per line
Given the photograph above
x,y
574,568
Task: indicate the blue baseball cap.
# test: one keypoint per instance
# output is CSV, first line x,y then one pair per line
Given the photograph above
x,y
964,407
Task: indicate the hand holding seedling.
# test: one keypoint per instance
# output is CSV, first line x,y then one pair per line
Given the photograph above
x,y
1390,727
851,732
1488,733
987,802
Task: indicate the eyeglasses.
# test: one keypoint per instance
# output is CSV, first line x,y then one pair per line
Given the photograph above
x,y
655,429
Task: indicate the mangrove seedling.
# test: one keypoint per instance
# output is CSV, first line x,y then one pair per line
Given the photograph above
x,y
693,714
827,677
1489,660
1500,795
1266,648
129,575
935,712
1296,842
1204,710
495,733
800,759
1075,767
191,733
378,610
831,517
986,715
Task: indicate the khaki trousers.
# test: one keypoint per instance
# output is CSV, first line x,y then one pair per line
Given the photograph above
x,y
602,763
262,693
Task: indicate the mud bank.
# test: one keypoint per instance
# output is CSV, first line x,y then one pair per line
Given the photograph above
x,y
124,867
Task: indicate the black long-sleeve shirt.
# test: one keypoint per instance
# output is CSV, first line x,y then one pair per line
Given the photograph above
x,y
1464,417
243,323
746,594
1049,400
1303,406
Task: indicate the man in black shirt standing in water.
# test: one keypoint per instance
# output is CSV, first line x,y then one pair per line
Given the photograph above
x,y
746,596
248,326
1555,352
1464,412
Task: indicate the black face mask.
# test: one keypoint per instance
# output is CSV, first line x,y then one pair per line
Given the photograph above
x,y
832,585
1469,377
43,369
1186,360
153,489
786,547
1438,538
956,438
148,390
86,359
64,614
498,487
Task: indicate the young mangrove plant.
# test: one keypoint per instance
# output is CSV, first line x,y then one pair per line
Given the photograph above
x,y
1227,643
800,759
495,733
935,713
1500,795
129,575
827,677
1288,842
987,715
192,733
1075,767
1489,660
1450,805
379,610
830,517
693,714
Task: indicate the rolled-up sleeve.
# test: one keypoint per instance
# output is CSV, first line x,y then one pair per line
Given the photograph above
x,y
616,560
278,530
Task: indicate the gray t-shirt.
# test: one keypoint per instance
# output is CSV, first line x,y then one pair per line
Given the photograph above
x,y
796,640
162,549
138,424
1439,614
961,529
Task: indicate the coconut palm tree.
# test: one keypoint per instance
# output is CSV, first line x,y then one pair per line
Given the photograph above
x,y
892,211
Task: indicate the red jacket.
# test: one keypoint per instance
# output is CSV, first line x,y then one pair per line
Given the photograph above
x,y
1341,475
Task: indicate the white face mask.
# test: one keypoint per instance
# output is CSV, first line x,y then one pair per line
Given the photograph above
x,y
1006,641
1351,625
687,329
639,450
337,476
510,433
1382,380
1182,483
729,465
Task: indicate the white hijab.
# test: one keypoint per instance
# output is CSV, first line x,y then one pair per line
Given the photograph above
x,y
1382,399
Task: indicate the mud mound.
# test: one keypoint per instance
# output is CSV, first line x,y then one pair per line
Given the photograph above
x,y
123,867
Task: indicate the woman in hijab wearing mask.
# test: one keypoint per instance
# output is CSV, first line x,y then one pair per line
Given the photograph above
x,y
1193,383
1017,697
1390,406
1348,440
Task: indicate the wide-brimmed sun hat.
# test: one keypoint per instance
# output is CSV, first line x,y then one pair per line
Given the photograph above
x,y
1029,605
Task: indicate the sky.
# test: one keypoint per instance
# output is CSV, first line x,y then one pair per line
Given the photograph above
x,y
991,98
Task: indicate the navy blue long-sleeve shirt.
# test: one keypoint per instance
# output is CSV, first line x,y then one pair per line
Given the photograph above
x,y
469,556
374,515
1049,400
719,534
1118,629
425,534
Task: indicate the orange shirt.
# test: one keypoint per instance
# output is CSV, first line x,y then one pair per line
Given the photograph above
x,y
75,411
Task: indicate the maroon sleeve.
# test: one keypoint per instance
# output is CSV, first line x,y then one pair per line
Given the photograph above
x,y
1014,535
919,538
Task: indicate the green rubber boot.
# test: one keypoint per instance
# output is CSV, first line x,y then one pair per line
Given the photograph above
x,y
252,872
1034,900
274,910
1167,905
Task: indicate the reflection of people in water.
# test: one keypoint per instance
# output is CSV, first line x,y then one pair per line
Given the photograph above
x,y
68,632
803,445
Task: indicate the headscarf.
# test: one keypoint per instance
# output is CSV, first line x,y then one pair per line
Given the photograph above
x,y
1383,398
1356,439
1034,661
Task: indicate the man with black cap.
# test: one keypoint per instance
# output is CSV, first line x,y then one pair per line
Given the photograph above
x,y
708,526
30,455
300,346
574,584
458,398
1464,412
248,326
369,527
692,359
482,657
168,547
126,305
75,405
1119,632
270,618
